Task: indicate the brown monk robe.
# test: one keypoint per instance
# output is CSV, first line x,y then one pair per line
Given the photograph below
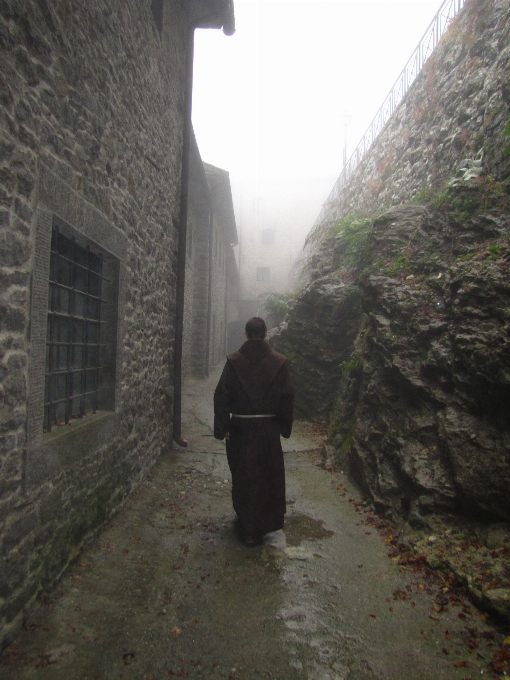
x,y
255,382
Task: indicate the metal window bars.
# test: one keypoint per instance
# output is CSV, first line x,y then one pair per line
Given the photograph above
x,y
414,65
73,346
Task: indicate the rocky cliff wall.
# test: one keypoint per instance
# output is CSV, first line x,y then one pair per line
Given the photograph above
x,y
401,338
408,353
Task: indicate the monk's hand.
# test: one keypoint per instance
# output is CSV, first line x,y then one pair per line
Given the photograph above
x,y
227,436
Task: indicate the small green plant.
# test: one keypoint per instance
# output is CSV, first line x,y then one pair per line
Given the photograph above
x,y
423,195
348,366
464,256
277,305
399,264
494,249
470,168
440,199
352,232
352,228
506,133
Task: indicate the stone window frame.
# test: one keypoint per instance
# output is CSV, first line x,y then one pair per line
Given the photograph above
x,y
47,454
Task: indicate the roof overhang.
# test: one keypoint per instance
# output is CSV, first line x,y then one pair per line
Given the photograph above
x,y
213,14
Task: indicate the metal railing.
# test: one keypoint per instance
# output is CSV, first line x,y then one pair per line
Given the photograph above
x,y
414,65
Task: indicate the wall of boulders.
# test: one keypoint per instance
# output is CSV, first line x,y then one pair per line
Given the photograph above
x,y
457,105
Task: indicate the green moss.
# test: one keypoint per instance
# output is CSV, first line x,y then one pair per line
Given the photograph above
x,y
277,305
399,265
348,366
506,133
464,256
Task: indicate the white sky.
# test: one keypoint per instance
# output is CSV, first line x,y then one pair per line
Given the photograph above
x,y
268,101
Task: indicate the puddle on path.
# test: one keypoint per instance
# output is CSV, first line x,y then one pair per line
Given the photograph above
x,y
300,527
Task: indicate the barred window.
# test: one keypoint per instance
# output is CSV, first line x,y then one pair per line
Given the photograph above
x,y
75,329
262,273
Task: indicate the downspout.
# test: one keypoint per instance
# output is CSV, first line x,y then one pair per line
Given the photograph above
x,y
227,291
181,249
209,293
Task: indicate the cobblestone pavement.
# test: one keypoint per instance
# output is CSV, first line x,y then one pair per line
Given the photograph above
x,y
167,590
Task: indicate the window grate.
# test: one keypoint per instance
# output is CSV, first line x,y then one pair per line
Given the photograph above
x,y
73,340
262,273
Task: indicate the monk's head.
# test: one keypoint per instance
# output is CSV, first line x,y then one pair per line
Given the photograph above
x,y
255,328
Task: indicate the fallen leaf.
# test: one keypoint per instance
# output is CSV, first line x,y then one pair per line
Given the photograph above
x,y
31,625
174,630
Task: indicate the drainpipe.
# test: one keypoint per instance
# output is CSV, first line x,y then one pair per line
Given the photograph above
x,y
181,251
209,294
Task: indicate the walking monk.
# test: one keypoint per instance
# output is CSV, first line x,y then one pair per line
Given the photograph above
x,y
255,387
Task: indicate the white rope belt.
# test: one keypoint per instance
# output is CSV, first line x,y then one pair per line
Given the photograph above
x,y
258,415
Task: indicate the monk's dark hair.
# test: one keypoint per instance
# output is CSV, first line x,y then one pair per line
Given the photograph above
x,y
256,328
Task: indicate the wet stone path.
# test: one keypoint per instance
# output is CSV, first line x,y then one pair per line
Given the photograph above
x,y
167,590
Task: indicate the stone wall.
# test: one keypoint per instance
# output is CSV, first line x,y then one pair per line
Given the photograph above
x,y
224,281
212,280
458,104
90,136
197,270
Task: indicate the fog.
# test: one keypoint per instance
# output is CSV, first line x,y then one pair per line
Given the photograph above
x,y
270,104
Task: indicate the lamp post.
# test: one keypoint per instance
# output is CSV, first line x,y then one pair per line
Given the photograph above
x,y
346,119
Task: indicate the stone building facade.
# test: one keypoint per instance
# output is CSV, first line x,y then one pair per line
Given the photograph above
x,y
274,219
91,156
212,279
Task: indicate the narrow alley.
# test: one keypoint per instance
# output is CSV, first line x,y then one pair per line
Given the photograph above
x,y
167,590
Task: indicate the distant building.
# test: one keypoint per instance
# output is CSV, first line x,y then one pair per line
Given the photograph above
x,y
212,278
273,219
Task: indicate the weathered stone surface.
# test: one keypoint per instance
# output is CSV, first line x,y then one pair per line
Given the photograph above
x,y
324,324
421,411
458,104
420,416
88,93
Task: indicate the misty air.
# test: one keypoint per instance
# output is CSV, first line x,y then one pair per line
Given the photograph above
x,y
255,339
